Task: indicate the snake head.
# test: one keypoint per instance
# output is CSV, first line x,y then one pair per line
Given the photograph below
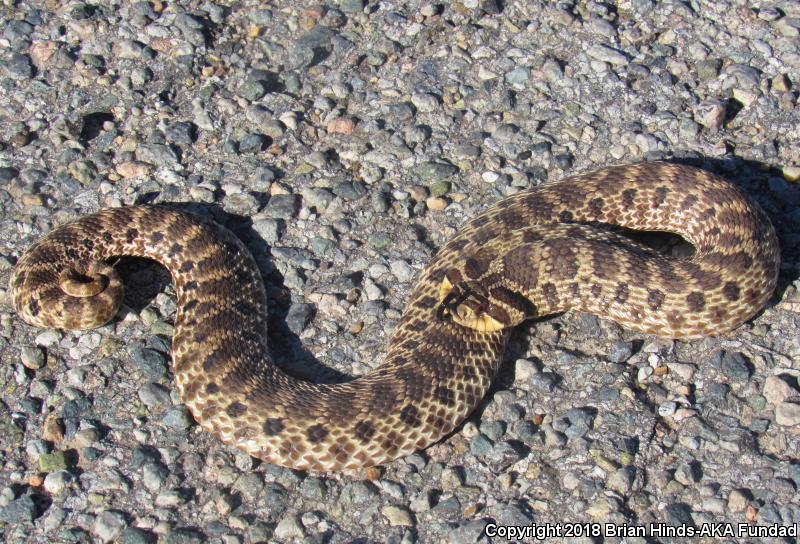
x,y
469,304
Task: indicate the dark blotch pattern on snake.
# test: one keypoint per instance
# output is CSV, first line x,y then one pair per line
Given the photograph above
x,y
534,253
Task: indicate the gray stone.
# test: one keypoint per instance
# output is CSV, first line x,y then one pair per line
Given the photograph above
x,y
379,240
643,6
313,488
678,514
321,246
352,6
7,174
439,188
620,351
505,132
544,381
260,531
317,198
425,102
154,395
621,480
779,388
32,357
184,535
433,171
299,316
688,473
282,206
19,66
261,17
180,133
128,49
21,510
563,161
253,143
56,482
350,190
710,113
502,456
135,535
252,89
518,75
607,54
467,531
54,518
171,498
480,445
688,130
400,112
787,414
157,154
524,370
397,517
296,256
788,27
528,433
154,475
152,364
17,30
733,365
109,525
178,418
270,230
447,509
576,422
289,528
708,69
402,270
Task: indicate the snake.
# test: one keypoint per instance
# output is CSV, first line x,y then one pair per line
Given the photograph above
x,y
555,247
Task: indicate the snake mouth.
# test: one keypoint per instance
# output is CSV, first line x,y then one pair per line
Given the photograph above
x,y
467,306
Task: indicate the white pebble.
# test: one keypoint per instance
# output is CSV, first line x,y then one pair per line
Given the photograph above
x,y
48,338
490,177
56,482
523,370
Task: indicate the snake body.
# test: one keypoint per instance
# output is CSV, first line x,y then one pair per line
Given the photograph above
x,y
545,250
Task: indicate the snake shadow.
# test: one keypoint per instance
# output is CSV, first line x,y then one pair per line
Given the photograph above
x,y
145,279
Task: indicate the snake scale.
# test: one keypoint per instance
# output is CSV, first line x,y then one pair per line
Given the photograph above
x,y
538,252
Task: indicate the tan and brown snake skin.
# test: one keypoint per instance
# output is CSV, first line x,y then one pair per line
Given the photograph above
x,y
533,253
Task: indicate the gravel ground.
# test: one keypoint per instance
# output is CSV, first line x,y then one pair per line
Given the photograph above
x,y
345,142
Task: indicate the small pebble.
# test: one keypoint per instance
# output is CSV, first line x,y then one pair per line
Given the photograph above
x,y
787,414
32,357
710,113
397,517
109,525
777,389
56,482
